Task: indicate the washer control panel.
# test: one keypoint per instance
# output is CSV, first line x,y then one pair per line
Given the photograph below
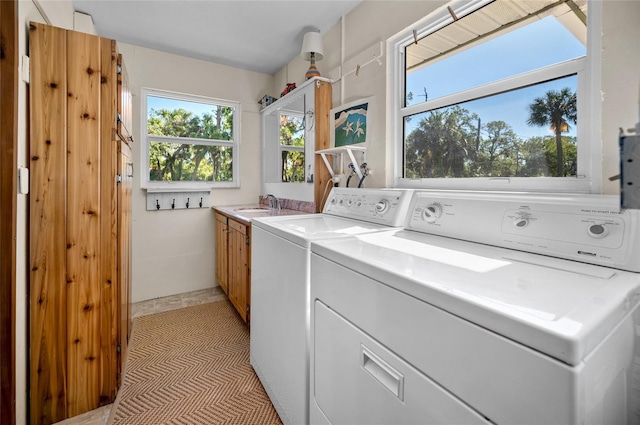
x,y
382,206
588,228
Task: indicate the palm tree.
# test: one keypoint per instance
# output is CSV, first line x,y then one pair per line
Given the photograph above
x,y
557,110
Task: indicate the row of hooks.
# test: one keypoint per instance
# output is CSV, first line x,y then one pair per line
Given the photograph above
x,y
173,203
157,201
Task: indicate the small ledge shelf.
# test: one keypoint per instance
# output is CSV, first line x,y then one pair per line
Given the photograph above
x,y
340,151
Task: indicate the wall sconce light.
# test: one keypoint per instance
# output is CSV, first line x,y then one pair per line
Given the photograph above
x,y
312,51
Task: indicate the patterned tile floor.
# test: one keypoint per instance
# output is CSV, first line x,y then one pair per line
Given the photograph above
x,y
100,416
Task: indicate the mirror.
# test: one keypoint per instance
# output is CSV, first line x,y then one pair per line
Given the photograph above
x,y
288,148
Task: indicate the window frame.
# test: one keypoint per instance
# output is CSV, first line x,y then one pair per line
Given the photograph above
x,y
589,175
234,144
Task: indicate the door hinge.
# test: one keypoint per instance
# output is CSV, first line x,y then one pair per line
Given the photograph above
x,y
118,178
118,348
248,240
247,309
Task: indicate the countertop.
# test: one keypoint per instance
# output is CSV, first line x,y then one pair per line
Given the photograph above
x,y
247,212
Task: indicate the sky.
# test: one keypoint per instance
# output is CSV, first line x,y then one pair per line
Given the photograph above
x,y
525,49
158,103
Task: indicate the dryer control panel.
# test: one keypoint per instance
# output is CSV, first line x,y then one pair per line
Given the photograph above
x,y
382,206
587,228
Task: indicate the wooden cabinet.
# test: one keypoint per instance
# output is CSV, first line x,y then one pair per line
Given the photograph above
x,y
79,219
233,262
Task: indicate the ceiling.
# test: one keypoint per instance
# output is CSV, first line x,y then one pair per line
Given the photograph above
x,y
256,35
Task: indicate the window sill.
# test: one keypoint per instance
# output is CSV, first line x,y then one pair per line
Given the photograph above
x,y
169,187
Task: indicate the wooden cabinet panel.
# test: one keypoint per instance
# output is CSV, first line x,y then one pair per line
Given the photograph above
x,y
83,222
222,256
48,224
125,176
322,126
238,266
76,223
108,203
125,113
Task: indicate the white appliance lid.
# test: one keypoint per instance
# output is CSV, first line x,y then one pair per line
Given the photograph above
x,y
302,229
559,307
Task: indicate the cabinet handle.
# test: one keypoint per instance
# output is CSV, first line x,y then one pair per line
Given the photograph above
x,y
382,371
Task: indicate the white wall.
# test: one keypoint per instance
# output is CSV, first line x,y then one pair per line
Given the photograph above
x,y
373,21
367,25
173,250
620,80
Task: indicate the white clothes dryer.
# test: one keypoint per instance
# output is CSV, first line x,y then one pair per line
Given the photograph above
x,y
487,308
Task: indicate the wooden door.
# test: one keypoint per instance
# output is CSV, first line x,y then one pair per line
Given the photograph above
x,y
73,223
222,252
238,266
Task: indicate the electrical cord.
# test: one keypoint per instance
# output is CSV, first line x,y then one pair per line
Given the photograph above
x,y
324,194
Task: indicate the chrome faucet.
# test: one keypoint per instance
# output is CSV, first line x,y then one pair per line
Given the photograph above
x,y
273,201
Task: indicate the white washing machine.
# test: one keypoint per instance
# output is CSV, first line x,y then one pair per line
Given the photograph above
x,y
279,342
487,308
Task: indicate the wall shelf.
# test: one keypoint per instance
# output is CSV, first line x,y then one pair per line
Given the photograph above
x,y
340,151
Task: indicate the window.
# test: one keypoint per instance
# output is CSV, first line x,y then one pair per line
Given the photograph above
x,y
191,142
494,95
292,147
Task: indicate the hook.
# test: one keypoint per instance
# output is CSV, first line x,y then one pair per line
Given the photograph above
x,y
173,203
187,203
157,205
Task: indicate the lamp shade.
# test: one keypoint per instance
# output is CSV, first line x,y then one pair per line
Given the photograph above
x,y
312,43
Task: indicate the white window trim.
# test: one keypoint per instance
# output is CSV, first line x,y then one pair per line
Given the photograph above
x,y
589,179
154,186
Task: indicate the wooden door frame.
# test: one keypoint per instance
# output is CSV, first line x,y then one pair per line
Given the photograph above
x,y
8,198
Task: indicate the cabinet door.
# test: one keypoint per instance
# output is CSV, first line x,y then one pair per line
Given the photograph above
x,y
238,266
222,261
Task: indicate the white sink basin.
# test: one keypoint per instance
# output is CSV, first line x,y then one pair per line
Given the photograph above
x,y
251,210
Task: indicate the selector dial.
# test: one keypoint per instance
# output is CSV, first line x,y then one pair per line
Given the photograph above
x,y
598,231
521,222
431,213
382,206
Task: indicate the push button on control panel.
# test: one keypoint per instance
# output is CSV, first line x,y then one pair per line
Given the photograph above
x,y
598,231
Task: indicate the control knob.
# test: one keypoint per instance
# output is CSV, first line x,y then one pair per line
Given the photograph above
x,y
521,222
598,231
382,206
431,213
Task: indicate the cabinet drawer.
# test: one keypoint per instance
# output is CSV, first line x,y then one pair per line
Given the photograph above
x,y
242,228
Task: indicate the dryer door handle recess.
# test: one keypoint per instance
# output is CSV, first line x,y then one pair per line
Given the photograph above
x,y
382,372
